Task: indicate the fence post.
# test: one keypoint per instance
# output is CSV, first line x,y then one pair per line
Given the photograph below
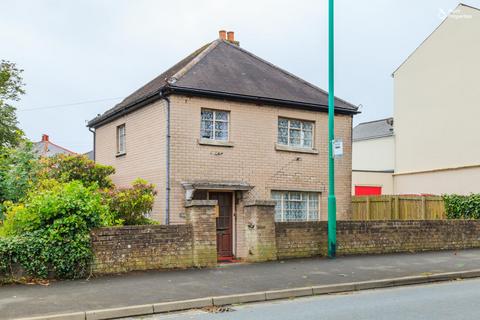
x,y
397,208
392,210
424,208
368,208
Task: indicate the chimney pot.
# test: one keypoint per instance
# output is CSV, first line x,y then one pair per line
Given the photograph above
x,y
231,36
222,34
44,137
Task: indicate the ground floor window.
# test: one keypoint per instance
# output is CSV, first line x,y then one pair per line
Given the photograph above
x,y
296,206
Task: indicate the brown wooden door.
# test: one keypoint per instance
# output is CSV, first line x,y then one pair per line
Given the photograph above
x,y
224,223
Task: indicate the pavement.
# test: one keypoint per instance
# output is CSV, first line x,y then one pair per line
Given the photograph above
x,y
440,301
144,288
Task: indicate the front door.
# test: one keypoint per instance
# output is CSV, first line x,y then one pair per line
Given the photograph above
x,y
224,223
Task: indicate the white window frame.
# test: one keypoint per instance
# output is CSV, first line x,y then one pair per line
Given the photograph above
x,y
214,120
302,134
121,139
308,210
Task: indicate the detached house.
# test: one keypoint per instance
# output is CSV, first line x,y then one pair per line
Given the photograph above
x,y
224,124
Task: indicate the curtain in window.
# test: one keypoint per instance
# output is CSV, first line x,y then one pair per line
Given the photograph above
x,y
296,206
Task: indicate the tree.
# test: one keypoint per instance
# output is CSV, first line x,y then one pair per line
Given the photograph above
x,y
66,168
11,88
18,172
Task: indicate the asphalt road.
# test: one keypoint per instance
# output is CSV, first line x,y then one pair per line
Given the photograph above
x,y
453,300
136,288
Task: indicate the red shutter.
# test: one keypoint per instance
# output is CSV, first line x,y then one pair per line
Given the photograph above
x,y
368,191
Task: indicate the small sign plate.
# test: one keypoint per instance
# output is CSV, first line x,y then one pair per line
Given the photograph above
x,y
337,148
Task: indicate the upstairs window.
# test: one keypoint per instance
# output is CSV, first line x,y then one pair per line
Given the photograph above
x,y
121,139
296,206
214,125
295,133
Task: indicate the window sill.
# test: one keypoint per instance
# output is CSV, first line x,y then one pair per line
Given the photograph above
x,y
120,154
280,147
216,143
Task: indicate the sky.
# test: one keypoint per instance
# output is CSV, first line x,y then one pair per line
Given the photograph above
x,y
80,58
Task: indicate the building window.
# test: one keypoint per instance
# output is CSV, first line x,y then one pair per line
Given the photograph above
x,y
296,206
121,136
295,133
214,125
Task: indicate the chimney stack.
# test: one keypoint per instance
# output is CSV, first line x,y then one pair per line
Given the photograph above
x,y
222,34
231,36
44,137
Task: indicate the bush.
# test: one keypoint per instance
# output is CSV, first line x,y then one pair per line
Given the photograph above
x,y
132,205
51,231
462,207
18,173
66,168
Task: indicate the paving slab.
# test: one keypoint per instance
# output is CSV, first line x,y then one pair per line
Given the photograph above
x,y
154,287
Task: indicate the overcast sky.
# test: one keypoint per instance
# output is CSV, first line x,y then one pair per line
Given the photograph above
x,y
79,51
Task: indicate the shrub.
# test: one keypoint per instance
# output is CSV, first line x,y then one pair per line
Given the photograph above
x,y
66,168
18,170
462,207
132,205
51,231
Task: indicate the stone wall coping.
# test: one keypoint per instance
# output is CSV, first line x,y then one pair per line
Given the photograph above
x,y
262,203
200,203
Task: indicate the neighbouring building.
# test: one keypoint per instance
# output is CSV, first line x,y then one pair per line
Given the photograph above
x,y
46,148
89,155
223,124
373,158
436,111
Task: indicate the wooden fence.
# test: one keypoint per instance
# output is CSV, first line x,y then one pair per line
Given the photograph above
x,y
398,208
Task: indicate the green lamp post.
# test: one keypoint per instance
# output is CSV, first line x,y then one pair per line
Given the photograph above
x,y
332,202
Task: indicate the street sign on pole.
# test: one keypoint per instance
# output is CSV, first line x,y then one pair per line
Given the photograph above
x,y
332,202
337,148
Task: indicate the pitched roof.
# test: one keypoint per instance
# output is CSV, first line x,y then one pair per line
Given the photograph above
x,y
222,69
46,148
373,129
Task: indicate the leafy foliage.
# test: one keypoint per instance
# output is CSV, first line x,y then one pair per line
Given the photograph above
x,y
51,231
51,205
462,207
11,88
132,205
67,168
18,170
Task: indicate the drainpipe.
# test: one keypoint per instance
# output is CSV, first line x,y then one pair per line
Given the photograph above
x,y
167,186
94,135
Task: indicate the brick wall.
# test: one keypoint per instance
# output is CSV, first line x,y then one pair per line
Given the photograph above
x,y
145,150
304,239
252,156
122,249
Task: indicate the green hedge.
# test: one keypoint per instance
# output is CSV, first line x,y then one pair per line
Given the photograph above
x,y
462,207
39,255
50,233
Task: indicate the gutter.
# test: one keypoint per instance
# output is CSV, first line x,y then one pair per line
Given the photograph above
x,y
169,89
257,99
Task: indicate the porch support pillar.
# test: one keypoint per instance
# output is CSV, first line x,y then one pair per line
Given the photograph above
x,y
201,215
260,230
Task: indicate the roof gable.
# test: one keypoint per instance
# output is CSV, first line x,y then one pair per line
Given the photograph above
x,y
225,69
461,9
